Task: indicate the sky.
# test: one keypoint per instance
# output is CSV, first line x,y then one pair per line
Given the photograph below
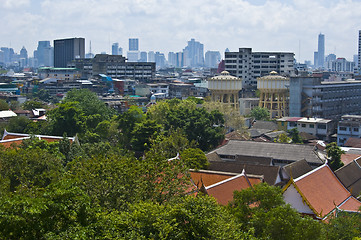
x,y
167,25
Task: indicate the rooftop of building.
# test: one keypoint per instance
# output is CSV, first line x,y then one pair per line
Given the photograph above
x,y
277,151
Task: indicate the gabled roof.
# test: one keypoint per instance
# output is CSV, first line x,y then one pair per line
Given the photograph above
x,y
351,205
208,178
223,191
270,126
9,135
277,151
254,160
297,169
350,177
269,173
321,191
7,114
347,158
353,142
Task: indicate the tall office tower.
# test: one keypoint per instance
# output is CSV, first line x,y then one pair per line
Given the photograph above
x,y
44,54
172,59
212,59
120,51
23,57
151,56
143,57
133,44
321,50
115,49
159,60
66,50
8,54
194,54
315,59
359,52
180,58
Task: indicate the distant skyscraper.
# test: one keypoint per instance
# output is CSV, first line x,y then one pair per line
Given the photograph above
x,y
194,54
321,50
133,44
66,50
120,51
151,56
172,59
143,57
212,59
159,60
23,57
44,54
115,49
315,59
359,52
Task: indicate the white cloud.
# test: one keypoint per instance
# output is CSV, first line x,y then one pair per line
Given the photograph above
x,y
9,4
167,25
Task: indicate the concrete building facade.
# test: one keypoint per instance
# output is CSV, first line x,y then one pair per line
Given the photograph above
x,y
349,126
312,97
66,50
250,65
115,66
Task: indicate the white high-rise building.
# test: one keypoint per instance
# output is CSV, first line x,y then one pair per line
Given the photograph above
x,y
249,65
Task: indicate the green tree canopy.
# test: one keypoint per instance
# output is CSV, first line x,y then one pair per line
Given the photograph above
x,y
263,208
259,113
295,135
199,125
3,105
32,104
334,153
89,103
194,158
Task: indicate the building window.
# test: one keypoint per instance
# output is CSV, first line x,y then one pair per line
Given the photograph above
x,y
343,128
312,126
303,125
355,129
321,126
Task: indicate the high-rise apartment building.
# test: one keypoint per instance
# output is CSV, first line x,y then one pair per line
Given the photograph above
x,y
212,59
321,51
115,49
66,50
133,44
249,65
193,53
172,59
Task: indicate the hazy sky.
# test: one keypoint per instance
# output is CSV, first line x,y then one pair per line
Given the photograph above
x,y
167,25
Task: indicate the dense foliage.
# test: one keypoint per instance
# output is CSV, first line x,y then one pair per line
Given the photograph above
x,y
118,182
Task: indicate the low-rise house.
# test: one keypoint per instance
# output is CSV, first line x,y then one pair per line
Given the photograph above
x,y
319,193
318,127
348,127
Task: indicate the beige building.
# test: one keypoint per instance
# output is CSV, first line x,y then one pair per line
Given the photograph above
x,y
274,94
225,88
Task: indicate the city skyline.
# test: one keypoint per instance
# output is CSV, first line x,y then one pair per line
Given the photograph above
x,y
166,26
